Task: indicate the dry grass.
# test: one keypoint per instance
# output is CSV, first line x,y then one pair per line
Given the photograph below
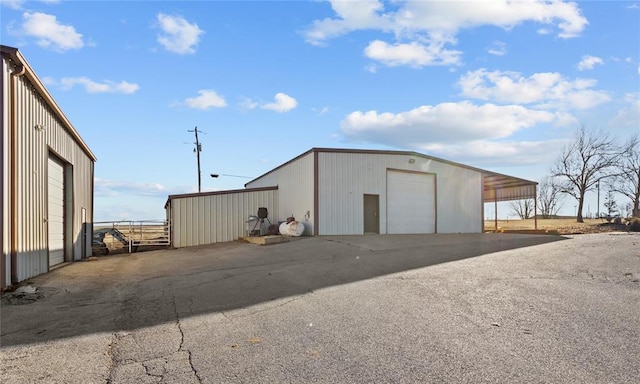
x,y
562,226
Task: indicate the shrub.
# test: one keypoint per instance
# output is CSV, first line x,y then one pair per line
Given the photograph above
x,y
635,224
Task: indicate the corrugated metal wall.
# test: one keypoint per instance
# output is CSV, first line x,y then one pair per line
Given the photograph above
x,y
295,182
33,147
5,176
219,217
343,179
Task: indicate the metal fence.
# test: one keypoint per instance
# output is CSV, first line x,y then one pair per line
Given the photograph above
x,y
129,235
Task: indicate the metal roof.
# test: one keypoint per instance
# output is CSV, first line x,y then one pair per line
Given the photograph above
x,y
496,186
15,56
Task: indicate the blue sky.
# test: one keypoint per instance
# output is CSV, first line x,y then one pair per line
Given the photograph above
x,y
495,84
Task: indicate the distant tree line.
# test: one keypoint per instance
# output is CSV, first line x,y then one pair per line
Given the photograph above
x,y
591,160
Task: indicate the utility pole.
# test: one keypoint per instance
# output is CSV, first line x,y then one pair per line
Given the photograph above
x,y
197,150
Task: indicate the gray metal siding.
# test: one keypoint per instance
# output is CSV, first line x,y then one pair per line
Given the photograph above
x,y
345,177
207,219
295,184
32,151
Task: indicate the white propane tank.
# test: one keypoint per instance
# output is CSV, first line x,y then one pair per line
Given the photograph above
x,y
294,228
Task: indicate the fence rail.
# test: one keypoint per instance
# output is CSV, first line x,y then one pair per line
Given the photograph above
x,y
113,235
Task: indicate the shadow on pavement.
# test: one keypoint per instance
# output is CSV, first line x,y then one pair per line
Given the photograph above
x,y
125,292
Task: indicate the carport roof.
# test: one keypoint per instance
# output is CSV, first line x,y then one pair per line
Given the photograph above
x,y
496,186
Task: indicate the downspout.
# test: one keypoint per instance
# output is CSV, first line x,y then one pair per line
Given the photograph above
x,y
19,71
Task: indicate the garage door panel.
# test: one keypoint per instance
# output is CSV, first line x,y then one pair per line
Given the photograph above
x,y
410,202
55,212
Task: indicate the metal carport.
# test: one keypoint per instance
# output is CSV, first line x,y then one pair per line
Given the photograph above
x,y
498,187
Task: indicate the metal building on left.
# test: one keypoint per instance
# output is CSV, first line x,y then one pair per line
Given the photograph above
x,y
47,178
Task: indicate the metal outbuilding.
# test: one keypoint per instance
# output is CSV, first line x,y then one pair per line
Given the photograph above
x,y
213,217
350,192
47,178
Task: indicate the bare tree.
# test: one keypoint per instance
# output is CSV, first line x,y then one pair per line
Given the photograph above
x,y
627,210
611,205
589,158
522,208
627,179
549,197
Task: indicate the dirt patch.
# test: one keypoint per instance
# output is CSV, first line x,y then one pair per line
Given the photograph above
x,y
26,294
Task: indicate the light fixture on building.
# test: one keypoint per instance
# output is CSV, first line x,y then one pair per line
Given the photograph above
x,y
216,175
411,161
39,127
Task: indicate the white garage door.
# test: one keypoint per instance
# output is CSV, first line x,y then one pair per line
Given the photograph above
x,y
410,202
55,217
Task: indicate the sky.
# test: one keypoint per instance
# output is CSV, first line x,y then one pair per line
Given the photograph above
x,y
499,85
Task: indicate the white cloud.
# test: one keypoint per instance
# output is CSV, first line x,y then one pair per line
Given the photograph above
x,y
117,187
497,48
413,54
282,103
248,103
422,29
207,99
371,68
588,62
629,115
352,15
501,152
94,87
13,4
178,35
50,33
549,90
441,124
448,17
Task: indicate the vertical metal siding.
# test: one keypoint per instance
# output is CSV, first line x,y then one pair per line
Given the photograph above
x,y
345,177
32,152
295,184
6,175
207,219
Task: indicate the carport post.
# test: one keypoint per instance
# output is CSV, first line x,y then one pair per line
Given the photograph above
x,y
535,207
495,210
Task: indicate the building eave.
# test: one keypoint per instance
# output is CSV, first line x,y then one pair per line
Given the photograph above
x,y
16,56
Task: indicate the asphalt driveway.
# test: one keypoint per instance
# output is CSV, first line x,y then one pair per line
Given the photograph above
x,y
435,308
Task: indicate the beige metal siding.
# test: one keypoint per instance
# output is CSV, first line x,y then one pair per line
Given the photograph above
x,y
345,177
31,156
5,177
295,182
213,218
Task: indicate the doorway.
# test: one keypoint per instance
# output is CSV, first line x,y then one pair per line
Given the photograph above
x,y
371,213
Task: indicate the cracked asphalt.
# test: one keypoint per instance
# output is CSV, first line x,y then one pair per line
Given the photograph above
x,y
491,308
